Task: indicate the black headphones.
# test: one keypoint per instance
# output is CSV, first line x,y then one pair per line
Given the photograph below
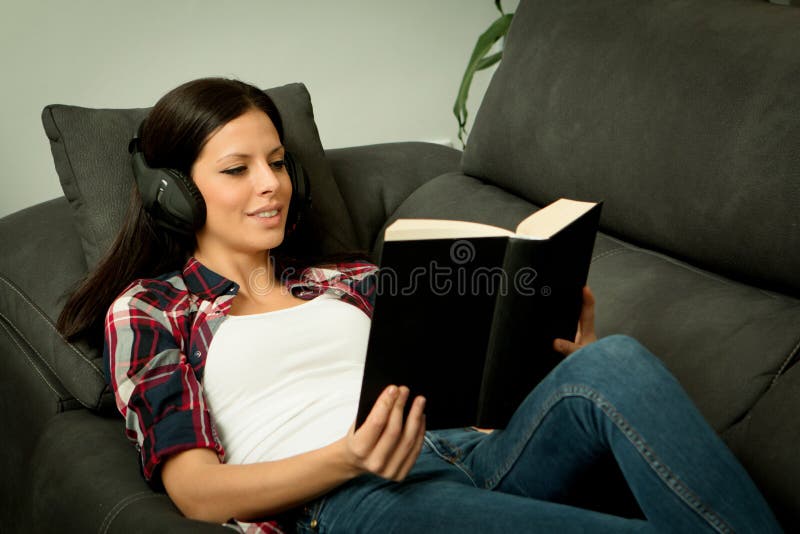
x,y
174,201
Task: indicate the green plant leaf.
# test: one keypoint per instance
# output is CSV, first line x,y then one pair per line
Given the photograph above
x,y
488,61
498,6
478,61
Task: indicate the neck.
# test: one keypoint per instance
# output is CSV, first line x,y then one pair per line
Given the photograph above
x,y
253,272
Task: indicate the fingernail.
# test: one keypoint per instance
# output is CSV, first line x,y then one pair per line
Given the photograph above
x,y
392,390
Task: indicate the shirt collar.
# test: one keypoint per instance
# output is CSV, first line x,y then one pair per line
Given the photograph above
x,y
205,283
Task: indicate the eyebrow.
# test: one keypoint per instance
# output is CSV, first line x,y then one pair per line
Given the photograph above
x,y
243,155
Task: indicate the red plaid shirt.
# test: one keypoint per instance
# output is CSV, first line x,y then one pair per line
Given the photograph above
x,y
157,334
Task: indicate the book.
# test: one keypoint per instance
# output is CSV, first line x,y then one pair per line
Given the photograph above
x,y
465,313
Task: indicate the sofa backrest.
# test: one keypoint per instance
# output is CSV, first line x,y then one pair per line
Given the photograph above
x,y
683,116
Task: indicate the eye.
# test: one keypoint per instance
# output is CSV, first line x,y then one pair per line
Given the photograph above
x,y
278,165
235,171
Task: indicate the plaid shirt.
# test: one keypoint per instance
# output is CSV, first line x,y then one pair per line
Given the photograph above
x,y
157,335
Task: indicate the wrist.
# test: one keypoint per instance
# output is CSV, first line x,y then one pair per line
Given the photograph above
x,y
345,458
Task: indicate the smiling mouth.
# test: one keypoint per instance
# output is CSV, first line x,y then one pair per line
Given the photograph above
x,y
266,214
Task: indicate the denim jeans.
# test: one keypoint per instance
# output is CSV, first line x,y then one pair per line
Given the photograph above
x,y
611,401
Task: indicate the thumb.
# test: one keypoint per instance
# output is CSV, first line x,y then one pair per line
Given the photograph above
x,y
565,347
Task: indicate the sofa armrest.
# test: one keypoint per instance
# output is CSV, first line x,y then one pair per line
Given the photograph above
x,y
85,478
376,179
40,264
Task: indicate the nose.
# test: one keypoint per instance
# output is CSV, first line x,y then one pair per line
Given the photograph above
x,y
267,179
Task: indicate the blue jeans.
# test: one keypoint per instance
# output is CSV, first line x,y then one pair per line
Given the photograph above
x,y
611,407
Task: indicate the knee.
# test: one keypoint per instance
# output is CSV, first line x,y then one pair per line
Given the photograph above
x,y
615,359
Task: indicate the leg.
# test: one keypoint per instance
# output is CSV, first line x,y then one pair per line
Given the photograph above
x,y
439,497
614,396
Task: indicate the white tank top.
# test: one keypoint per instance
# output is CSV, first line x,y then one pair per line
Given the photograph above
x,y
288,381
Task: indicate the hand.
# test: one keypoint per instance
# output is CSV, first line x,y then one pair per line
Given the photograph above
x,y
585,333
383,445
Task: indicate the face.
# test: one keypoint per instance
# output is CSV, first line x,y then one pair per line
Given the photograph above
x,y
241,174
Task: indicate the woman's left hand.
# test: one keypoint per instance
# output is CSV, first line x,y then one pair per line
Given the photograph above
x,y
585,333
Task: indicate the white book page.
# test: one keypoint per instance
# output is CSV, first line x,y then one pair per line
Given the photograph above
x,y
410,229
549,220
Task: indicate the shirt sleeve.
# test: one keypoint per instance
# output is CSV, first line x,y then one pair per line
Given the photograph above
x,y
157,390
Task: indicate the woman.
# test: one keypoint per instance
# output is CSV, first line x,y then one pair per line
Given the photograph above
x,y
237,366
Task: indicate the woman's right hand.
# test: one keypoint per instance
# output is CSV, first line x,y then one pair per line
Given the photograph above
x,y
384,445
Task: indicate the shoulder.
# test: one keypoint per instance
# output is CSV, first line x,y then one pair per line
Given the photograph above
x,y
350,273
152,295
352,281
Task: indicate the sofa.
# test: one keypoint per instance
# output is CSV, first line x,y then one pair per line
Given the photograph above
x,y
681,116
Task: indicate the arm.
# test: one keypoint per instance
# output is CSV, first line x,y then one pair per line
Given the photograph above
x,y
154,384
205,489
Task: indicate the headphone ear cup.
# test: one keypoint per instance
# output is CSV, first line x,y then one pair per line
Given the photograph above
x,y
171,197
148,181
181,204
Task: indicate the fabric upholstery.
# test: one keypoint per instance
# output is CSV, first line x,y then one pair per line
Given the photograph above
x,y
765,441
90,150
375,179
682,116
32,298
70,463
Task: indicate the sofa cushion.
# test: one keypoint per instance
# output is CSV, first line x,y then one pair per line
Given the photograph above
x,y
725,341
682,116
90,151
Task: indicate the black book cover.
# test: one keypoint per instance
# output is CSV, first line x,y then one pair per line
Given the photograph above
x,y
543,302
430,329
456,321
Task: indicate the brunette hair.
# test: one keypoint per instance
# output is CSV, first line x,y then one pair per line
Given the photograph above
x,y
172,136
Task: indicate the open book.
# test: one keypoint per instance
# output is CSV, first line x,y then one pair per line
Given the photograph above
x,y
466,313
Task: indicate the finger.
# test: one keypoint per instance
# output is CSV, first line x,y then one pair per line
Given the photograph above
x,y
405,445
587,313
370,431
391,433
411,459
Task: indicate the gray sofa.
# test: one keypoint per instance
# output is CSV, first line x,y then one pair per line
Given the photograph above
x,y
682,116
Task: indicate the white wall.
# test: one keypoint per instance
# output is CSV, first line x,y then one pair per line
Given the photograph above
x,y
377,71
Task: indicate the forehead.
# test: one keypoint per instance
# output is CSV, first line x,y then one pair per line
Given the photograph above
x,y
253,130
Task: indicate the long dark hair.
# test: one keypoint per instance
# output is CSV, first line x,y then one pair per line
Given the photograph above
x,y
172,136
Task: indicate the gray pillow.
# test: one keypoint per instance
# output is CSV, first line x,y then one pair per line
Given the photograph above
x,y
90,152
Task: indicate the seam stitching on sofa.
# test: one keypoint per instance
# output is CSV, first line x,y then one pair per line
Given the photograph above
x,y
52,326
611,252
5,324
121,505
785,364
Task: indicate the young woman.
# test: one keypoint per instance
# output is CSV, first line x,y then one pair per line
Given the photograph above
x,y
236,362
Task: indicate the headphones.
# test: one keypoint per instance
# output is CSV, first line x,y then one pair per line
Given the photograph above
x,y
174,201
